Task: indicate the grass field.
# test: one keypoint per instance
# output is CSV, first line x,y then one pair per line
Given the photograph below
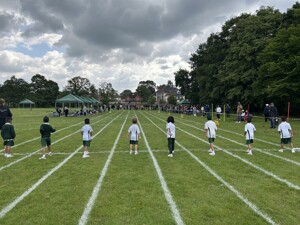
x,y
114,187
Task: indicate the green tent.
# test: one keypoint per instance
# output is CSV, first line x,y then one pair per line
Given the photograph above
x,y
27,102
185,102
69,99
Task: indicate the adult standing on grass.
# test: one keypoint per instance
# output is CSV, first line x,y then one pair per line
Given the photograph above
x,y
239,111
286,134
4,112
218,112
273,114
210,132
8,134
46,129
249,134
134,135
171,132
87,133
267,112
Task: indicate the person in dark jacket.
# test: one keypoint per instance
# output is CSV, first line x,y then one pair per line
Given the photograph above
x,y
8,134
273,114
4,112
266,112
46,129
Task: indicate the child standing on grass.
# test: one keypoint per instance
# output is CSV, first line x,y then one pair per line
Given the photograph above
x,y
171,131
286,134
86,132
46,129
8,134
210,132
249,134
134,135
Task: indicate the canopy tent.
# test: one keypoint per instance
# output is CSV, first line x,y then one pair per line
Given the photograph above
x,y
185,102
27,102
74,99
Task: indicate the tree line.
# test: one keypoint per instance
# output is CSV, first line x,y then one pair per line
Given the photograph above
x,y
254,59
44,92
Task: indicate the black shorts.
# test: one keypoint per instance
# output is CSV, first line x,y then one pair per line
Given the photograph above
x,y
132,142
285,141
211,140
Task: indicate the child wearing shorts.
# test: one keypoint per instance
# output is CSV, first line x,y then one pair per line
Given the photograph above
x,y
249,134
45,130
134,135
286,134
86,132
210,132
171,132
8,134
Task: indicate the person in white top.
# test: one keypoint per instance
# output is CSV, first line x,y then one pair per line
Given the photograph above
x,y
171,132
134,134
286,134
210,132
249,134
86,132
218,112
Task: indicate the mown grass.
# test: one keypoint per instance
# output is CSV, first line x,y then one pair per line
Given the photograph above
x,y
131,192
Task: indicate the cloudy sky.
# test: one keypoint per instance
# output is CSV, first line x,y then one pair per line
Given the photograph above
x,y
117,41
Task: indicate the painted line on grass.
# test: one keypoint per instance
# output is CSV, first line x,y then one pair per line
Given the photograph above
x,y
219,178
289,184
37,151
89,206
175,212
257,149
36,138
13,204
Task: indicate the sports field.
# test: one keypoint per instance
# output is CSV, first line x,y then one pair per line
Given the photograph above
x,y
114,187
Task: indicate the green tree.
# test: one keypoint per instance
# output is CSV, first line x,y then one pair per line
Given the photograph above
x,y
146,89
172,100
126,94
43,92
14,90
78,86
107,93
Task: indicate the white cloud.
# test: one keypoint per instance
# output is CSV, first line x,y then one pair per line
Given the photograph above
x,y
116,41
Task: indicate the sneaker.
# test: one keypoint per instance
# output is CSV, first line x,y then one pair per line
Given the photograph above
x,y
85,156
50,153
170,155
43,157
9,155
136,153
249,153
293,150
280,150
5,155
212,153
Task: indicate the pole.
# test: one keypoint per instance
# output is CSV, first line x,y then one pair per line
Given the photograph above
x,y
289,105
224,113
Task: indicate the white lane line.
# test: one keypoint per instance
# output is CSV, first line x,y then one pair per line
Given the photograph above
x,y
219,178
10,206
89,206
257,149
37,151
289,184
175,212
24,142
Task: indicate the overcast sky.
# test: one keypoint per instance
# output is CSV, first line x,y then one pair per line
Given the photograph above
x,y
117,41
